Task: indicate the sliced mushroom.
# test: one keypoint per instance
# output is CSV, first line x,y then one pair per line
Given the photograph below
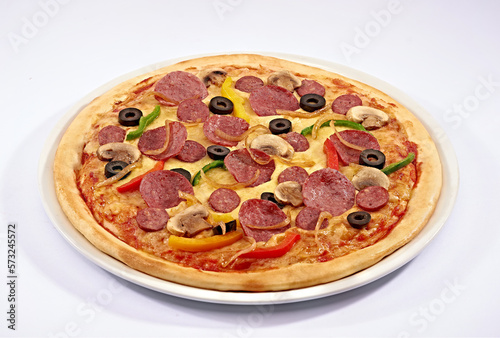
x,y
118,151
213,76
273,145
289,192
285,79
370,118
189,222
368,176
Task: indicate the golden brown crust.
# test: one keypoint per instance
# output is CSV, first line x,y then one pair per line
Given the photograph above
x,y
68,161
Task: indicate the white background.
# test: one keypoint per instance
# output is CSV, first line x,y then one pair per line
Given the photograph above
x,y
443,54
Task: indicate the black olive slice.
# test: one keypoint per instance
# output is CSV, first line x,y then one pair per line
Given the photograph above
x,y
230,226
312,102
114,167
269,196
216,152
372,158
358,219
183,172
129,116
220,105
280,126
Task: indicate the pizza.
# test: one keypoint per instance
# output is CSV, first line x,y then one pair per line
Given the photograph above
x,y
246,172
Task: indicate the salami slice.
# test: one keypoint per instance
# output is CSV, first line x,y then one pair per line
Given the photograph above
x,y
248,83
152,219
372,198
298,141
193,110
360,138
110,134
308,217
160,189
243,168
265,100
310,87
192,151
261,213
328,190
224,200
295,173
178,86
155,139
345,102
230,125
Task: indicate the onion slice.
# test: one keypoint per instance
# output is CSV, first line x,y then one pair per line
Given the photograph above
x,y
252,155
322,120
161,96
118,176
280,225
242,136
165,144
305,115
253,245
344,142
188,197
236,185
302,163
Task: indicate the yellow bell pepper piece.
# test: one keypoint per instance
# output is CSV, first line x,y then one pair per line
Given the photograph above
x,y
204,244
226,218
228,92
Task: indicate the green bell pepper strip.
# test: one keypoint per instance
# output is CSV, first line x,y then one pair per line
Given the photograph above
x,y
338,123
143,123
398,165
210,166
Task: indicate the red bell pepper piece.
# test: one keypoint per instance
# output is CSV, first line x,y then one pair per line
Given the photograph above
x,y
332,158
275,251
134,183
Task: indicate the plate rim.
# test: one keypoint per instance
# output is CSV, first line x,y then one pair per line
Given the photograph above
x,y
387,265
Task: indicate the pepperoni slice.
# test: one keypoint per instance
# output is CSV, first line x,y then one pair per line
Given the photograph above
x,y
224,200
308,217
230,125
265,100
241,165
345,102
160,189
152,219
192,151
372,198
110,134
310,87
328,190
248,83
360,138
193,110
294,173
261,213
178,86
298,141
155,139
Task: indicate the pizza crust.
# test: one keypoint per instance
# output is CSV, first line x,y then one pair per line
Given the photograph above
x,y
420,208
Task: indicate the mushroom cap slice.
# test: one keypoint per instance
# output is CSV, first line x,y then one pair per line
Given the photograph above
x,y
285,79
369,176
215,76
118,151
273,145
189,222
289,192
369,117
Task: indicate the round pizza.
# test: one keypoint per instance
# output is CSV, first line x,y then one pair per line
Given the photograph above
x,y
247,172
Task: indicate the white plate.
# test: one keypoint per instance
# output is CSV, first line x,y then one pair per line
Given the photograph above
x,y
379,270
